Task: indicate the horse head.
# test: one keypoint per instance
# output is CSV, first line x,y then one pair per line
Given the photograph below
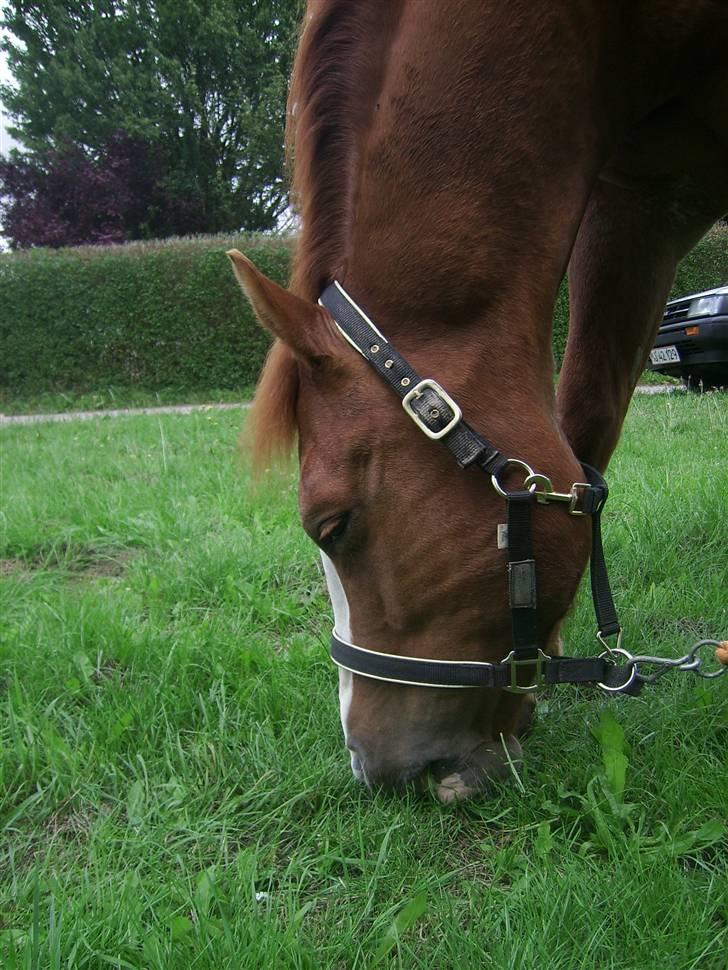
x,y
450,160
409,543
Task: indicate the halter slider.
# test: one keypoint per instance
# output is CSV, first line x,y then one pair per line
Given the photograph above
x,y
539,679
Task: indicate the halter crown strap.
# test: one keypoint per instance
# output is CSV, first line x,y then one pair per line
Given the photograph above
x,y
430,407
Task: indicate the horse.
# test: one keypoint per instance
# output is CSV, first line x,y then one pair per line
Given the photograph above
x,y
452,160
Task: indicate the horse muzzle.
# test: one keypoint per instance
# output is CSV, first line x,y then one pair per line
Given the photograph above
x,y
452,778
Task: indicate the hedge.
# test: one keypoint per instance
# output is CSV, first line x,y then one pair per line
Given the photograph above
x,y
151,315
170,315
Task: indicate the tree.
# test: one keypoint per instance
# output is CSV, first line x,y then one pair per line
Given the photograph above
x,y
200,83
72,199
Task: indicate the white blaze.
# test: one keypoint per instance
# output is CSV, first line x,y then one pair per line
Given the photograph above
x,y
342,625
342,620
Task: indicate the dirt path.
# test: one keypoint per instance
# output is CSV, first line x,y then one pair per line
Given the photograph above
x,y
8,419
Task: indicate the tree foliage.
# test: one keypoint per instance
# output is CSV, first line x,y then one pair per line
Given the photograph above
x,y
73,199
200,83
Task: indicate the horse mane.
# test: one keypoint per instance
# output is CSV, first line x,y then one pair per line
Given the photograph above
x,y
340,55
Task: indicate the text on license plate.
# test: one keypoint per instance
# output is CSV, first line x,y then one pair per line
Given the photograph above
x,y
665,355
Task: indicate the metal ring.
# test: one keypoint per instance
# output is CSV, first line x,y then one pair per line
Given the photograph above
x,y
695,654
613,650
521,464
633,671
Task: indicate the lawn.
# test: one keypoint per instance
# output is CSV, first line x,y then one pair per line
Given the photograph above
x,y
173,788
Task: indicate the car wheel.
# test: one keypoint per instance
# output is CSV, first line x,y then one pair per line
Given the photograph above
x,y
698,385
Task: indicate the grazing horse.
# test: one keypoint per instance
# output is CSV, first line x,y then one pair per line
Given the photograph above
x,y
451,159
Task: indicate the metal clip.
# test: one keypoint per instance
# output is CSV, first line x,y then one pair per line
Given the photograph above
x,y
612,651
544,490
691,662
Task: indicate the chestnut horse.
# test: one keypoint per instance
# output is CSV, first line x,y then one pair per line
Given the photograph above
x,y
451,158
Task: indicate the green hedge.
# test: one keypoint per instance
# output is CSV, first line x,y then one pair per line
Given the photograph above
x,y
151,315
164,315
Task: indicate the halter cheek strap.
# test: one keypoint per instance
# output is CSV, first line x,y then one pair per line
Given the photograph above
x,y
526,667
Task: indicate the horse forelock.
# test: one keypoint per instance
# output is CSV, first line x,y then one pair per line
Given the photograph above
x,y
273,414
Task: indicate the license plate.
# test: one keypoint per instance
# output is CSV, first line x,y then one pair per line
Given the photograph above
x,y
665,355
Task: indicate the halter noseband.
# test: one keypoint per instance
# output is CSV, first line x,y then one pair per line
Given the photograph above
x,y
438,416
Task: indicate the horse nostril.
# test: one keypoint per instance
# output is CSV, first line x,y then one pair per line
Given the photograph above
x,y
381,770
357,768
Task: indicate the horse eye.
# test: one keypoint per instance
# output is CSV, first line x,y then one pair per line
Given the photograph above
x,y
332,529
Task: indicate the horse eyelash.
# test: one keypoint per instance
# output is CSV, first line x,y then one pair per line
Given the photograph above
x,y
337,532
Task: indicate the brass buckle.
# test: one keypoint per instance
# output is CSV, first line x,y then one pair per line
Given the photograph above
x,y
575,496
539,676
444,397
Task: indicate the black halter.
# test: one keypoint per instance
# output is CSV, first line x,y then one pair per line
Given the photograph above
x,y
439,417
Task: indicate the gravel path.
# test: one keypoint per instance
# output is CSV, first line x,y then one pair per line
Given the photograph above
x,y
7,419
659,388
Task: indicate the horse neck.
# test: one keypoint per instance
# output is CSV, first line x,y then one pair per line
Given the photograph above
x,y
443,177
467,193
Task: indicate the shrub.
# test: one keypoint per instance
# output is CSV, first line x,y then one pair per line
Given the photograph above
x,y
153,315
170,315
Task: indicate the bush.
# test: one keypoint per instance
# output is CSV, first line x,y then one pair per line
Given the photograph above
x,y
170,315
154,315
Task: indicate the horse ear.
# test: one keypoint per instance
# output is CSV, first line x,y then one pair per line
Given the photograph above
x,y
304,326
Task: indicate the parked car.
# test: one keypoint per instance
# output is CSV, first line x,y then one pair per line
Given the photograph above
x,y
692,341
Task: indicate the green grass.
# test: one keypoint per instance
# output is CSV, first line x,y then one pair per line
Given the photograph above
x,y
173,788
651,377
110,398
